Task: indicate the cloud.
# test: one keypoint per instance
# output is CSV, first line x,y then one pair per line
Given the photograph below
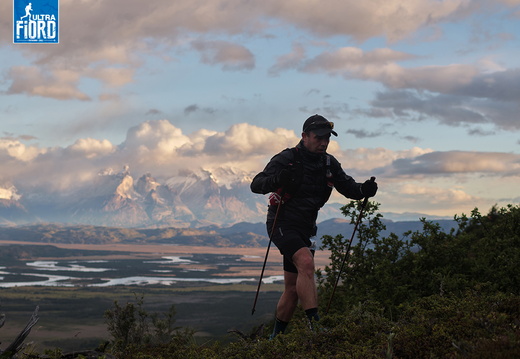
x,y
510,2
435,196
451,94
90,148
354,60
500,85
407,105
152,112
190,109
36,81
421,164
11,136
195,147
410,105
361,134
111,76
440,195
392,19
441,79
331,111
127,35
381,65
111,97
364,133
161,148
13,149
156,146
114,38
479,132
152,138
232,57
366,160
248,140
120,32
61,83
128,21
195,108
456,162
9,193
288,61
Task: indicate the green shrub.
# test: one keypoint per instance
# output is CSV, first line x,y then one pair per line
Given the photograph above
x,y
135,331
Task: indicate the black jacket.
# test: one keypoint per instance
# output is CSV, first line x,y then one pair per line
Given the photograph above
x,y
311,190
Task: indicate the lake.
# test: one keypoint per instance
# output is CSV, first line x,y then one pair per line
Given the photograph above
x,y
165,270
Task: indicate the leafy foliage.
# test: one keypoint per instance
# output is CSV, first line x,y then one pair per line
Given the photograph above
x,y
481,255
134,329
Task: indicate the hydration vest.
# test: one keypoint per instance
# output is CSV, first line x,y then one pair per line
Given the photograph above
x,y
282,195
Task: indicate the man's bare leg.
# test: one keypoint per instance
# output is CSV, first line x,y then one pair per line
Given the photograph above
x,y
289,299
305,283
298,286
287,303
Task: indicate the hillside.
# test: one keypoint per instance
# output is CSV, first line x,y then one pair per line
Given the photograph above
x,y
86,234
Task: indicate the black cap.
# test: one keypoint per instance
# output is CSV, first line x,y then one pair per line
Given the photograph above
x,y
319,125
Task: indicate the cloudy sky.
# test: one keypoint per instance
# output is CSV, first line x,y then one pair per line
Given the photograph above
x,y
425,94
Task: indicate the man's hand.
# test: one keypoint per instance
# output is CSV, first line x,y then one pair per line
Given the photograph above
x,y
369,188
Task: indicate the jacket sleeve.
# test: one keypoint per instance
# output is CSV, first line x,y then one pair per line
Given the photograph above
x,y
345,184
266,181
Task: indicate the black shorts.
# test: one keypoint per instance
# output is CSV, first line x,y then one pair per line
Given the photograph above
x,y
288,242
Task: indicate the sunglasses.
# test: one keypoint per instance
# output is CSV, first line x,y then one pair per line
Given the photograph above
x,y
318,124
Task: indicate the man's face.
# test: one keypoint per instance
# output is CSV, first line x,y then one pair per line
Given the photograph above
x,y
315,144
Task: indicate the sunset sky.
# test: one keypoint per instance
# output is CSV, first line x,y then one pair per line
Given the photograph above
x,y
424,94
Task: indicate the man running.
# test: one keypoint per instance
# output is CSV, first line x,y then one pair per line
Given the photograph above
x,y
302,179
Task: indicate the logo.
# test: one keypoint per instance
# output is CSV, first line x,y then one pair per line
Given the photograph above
x,y
35,21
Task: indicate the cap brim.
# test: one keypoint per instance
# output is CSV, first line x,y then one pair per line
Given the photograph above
x,y
324,131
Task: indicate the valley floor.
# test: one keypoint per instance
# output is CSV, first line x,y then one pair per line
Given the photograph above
x,y
72,317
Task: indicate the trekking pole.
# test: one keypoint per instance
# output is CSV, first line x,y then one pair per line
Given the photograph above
x,y
267,252
372,179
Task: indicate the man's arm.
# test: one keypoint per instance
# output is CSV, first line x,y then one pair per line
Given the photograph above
x,y
345,184
269,180
263,183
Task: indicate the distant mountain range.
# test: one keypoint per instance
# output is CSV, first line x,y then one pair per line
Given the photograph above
x,y
239,235
188,200
119,200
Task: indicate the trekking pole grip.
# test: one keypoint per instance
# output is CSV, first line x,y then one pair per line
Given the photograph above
x,y
372,179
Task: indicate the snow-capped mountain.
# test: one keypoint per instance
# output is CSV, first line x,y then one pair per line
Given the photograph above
x,y
189,199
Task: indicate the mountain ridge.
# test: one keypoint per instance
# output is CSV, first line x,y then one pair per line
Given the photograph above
x,y
191,199
238,235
